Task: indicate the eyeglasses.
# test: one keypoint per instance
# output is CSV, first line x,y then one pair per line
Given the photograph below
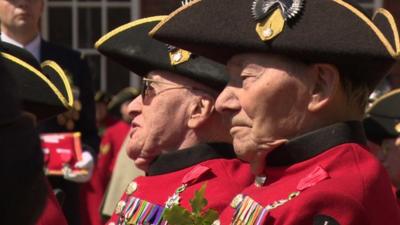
x,y
148,90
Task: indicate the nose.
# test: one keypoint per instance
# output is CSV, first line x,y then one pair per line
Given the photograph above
x,y
135,107
227,100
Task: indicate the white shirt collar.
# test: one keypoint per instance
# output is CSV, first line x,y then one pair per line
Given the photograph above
x,y
33,47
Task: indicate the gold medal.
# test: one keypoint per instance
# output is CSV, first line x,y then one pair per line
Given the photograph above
x,y
120,207
131,188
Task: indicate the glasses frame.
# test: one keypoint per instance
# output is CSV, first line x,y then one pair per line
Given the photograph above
x,y
146,84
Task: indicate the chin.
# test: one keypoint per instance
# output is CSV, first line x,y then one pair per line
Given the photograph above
x,y
243,154
142,164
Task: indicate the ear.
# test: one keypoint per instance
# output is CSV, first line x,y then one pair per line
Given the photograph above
x,y
326,83
200,111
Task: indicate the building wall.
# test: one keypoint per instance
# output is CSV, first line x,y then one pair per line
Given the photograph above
x,y
158,7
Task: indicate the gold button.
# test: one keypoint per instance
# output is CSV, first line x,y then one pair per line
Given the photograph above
x,y
120,207
216,222
131,188
259,181
236,201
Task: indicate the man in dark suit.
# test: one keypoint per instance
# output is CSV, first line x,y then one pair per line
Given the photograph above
x,y
20,26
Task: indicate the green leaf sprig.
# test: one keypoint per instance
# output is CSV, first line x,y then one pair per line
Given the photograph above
x,y
178,215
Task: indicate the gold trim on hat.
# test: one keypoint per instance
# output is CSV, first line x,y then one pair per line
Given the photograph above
x,y
382,98
394,53
167,18
393,25
64,78
127,26
37,73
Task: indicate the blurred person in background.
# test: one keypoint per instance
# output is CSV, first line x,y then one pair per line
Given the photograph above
x,y
110,147
44,93
104,118
382,127
176,136
20,26
21,168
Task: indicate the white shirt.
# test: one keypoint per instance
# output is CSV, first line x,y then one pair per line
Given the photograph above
x,y
33,47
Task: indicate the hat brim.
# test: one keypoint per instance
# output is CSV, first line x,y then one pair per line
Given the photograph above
x,y
131,46
385,112
39,95
127,94
336,32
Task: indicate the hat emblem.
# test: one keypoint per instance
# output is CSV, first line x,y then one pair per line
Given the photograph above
x,y
271,16
289,8
177,55
397,128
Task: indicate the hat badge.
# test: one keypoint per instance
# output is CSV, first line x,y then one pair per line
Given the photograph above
x,y
177,55
397,127
271,16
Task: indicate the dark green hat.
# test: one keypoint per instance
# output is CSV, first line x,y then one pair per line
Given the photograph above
x,y
317,31
102,96
383,117
44,89
131,46
126,94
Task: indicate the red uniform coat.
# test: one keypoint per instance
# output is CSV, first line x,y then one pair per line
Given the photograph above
x,y
324,177
52,213
93,192
396,194
213,164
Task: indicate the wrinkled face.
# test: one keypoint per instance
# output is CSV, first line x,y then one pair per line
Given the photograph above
x,y
159,119
20,13
266,99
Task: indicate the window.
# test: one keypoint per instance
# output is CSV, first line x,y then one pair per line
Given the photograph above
x,y
80,23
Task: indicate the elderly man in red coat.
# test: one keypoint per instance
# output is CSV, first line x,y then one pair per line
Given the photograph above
x,y
176,135
300,74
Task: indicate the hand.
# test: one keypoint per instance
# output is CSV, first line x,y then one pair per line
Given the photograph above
x,y
86,164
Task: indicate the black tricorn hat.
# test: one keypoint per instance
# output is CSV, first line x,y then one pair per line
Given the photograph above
x,y
102,96
44,89
383,117
131,46
126,94
317,31
21,164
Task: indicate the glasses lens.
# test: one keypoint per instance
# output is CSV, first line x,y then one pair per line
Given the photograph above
x,y
145,85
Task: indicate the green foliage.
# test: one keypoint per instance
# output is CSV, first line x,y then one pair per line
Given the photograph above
x,y
178,215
